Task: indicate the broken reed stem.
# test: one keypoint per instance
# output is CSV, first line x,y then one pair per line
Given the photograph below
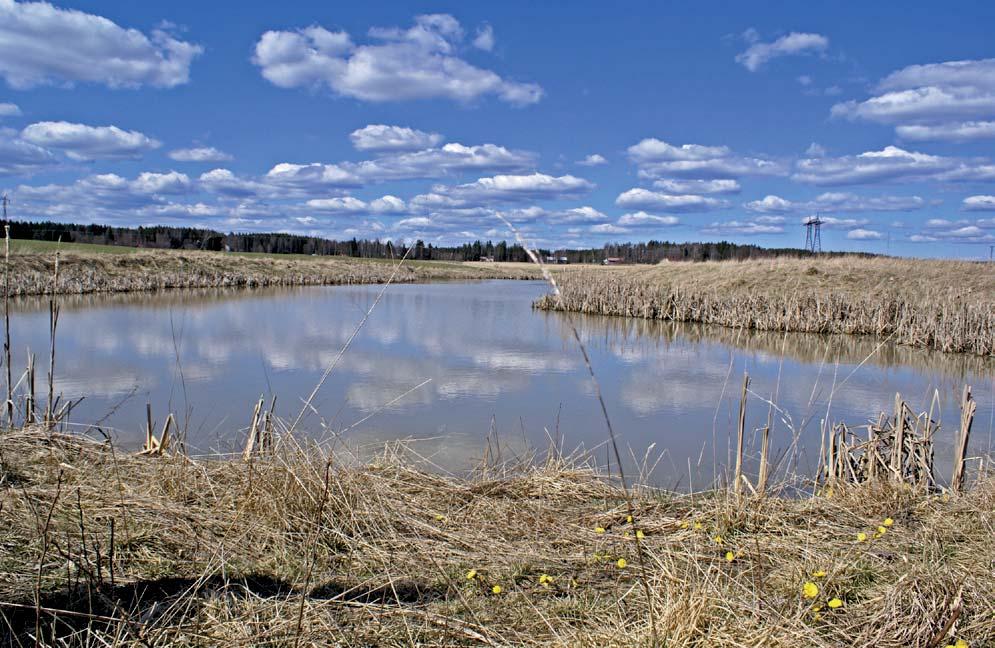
x,y
148,428
630,503
6,324
53,325
740,433
29,403
898,449
764,455
250,443
967,408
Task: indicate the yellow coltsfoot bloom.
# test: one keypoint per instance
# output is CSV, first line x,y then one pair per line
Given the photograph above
x,y
640,534
959,644
810,590
685,524
861,537
621,563
470,575
599,529
718,540
882,530
835,603
730,556
888,522
496,589
819,574
545,580
698,526
628,518
440,517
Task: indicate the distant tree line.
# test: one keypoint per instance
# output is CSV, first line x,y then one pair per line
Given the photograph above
x,y
191,238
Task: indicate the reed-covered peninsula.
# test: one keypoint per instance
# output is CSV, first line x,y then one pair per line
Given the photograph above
x,y
86,269
943,305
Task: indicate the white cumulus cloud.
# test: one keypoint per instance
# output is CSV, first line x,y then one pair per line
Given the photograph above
x,y
657,159
979,203
381,137
656,201
861,234
594,159
199,154
757,54
83,142
420,62
953,101
43,44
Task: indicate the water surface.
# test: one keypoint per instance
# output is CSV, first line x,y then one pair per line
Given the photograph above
x,y
498,374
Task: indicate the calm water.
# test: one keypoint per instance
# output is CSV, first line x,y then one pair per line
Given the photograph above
x,y
495,368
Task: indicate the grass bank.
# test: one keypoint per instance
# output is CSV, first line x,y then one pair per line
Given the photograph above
x,y
102,548
943,305
95,268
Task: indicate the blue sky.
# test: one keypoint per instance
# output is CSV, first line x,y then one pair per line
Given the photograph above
x,y
580,123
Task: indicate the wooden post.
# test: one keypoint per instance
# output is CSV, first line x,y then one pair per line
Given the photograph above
x,y
967,409
740,433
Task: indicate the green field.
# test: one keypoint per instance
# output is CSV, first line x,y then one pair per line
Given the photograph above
x,y
25,246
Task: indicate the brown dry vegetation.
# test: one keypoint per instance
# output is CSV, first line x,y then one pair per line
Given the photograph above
x,y
297,549
85,272
942,305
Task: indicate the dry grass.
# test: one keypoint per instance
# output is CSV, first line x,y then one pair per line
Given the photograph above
x,y
142,270
943,305
298,549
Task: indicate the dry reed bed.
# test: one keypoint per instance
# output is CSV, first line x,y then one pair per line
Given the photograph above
x,y
943,305
284,551
31,274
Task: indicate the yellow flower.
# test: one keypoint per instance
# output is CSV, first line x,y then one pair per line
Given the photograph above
x,y
685,524
819,574
640,534
599,529
621,563
888,522
730,556
861,537
470,575
881,530
628,518
835,603
816,607
718,540
625,534
961,644
698,526
496,589
817,617
440,517
545,580
810,590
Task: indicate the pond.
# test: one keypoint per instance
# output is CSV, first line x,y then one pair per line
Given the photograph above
x,y
456,368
